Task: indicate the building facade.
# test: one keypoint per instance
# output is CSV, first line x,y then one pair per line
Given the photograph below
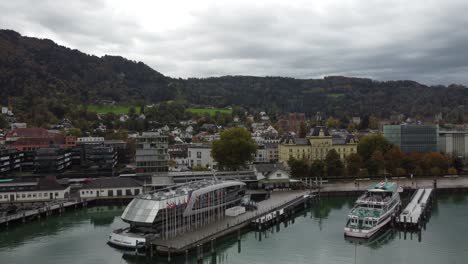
x,y
315,146
10,160
42,190
111,188
199,154
413,138
454,143
151,152
52,159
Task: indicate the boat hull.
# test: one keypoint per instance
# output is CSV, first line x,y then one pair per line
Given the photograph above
x,y
358,233
126,240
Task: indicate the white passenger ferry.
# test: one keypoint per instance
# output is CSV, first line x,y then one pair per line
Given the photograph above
x,y
373,210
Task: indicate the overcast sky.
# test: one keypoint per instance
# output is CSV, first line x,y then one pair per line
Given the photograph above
x,y
425,40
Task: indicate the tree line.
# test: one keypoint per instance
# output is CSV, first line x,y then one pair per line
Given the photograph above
x,y
377,157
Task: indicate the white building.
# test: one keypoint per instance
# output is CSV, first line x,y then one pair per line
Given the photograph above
x,y
454,143
90,140
200,155
111,188
36,191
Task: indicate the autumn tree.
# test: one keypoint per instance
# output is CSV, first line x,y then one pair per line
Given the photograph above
x,y
353,164
234,149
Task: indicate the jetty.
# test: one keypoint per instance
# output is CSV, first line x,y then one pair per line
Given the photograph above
x,y
280,201
45,210
415,212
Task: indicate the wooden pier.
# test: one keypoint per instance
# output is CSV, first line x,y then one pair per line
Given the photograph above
x,y
46,210
284,201
415,212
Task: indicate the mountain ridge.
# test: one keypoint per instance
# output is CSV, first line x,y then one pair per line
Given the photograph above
x,y
40,73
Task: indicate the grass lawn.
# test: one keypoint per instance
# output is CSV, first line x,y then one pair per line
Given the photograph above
x,y
211,111
116,109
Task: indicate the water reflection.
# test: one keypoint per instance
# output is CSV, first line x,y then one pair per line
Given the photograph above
x,y
380,239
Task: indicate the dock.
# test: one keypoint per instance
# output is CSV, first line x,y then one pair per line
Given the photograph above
x,y
414,213
284,201
46,210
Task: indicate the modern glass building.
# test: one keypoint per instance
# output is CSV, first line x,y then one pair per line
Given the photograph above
x,y
413,138
151,152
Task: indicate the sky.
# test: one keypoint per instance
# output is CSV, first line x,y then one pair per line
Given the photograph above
x,y
421,40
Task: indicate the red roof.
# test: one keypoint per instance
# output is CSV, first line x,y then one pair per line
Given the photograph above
x,y
33,132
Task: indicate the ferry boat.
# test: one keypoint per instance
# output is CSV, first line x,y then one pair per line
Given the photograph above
x,y
373,210
174,210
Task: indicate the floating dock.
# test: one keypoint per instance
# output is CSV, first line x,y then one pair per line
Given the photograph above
x,y
279,201
415,212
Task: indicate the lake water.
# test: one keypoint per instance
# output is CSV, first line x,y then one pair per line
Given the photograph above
x,y
315,236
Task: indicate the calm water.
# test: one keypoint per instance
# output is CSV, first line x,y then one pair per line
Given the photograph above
x,y
315,236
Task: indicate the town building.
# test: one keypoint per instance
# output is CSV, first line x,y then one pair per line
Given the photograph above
x,y
45,189
413,138
271,150
52,159
454,143
260,155
10,160
178,154
93,152
199,154
111,188
315,146
151,152
274,176
36,138
291,122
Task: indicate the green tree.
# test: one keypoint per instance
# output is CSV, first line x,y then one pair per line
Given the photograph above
x,y
299,167
3,122
353,164
234,148
317,168
369,144
333,164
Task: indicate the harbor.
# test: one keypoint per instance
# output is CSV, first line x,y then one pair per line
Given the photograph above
x,y
282,200
313,235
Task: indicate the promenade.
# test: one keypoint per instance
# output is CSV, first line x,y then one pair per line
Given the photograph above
x,y
426,182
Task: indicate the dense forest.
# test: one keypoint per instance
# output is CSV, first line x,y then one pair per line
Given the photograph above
x,y
43,82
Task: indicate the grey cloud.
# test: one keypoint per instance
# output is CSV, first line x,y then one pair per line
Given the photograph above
x,y
421,40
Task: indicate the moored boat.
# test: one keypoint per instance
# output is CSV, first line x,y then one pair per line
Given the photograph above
x,y
373,210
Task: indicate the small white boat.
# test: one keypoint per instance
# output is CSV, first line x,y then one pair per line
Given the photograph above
x,y
373,210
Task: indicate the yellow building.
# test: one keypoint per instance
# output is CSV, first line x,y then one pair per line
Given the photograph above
x,y
315,146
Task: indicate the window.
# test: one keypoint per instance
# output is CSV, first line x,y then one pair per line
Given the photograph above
x,y
278,175
198,154
56,194
29,195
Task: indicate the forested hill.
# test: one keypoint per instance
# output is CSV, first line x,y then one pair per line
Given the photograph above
x,y
39,77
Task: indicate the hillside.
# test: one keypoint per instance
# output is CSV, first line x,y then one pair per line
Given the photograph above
x,y
43,81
